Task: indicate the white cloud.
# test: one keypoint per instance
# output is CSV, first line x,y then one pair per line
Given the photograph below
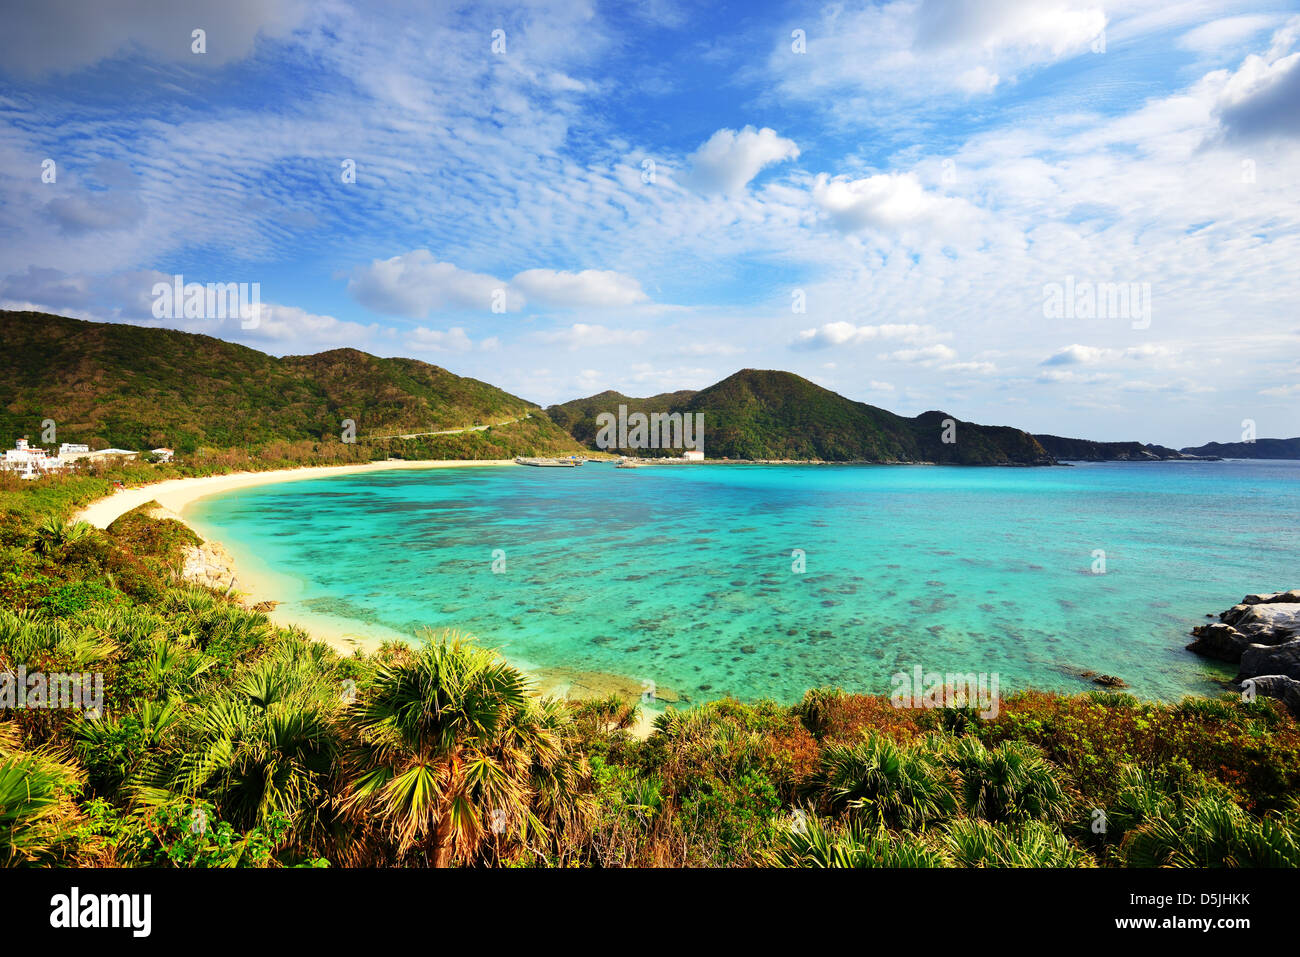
x,y
1085,355
889,202
1077,355
415,283
846,333
926,355
977,80
729,160
1225,32
454,339
1262,99
885,57
1040,30
589,288
1075,378
278,329
62,36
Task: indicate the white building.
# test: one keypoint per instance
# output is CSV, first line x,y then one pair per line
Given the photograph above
x,y
29,462
164,455
693,455
72,453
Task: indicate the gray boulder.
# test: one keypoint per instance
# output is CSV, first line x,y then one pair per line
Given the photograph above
x,y
1277,686
1267,620
1219,641
1269,623
1283,659
1292,596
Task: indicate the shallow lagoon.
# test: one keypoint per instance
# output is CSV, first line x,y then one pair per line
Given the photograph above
x,y
683,575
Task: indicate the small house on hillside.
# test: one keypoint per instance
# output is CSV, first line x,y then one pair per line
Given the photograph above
x,y
163,455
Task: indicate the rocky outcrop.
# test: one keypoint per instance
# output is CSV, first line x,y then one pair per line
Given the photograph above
x,y
1283,659
209,564
1276,686
1261,634
1268,620
1219,641
1291,596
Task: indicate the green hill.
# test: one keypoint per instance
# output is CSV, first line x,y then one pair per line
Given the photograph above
x,y
758,414
118,385
1085,450
1259,449
578,417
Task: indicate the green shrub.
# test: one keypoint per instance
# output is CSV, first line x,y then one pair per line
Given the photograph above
x,y
74,598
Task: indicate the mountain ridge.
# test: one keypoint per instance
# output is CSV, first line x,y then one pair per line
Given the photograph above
x,y
769,414
122,385
139,387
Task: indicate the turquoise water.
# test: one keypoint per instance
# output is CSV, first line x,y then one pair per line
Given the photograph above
x,y
683,575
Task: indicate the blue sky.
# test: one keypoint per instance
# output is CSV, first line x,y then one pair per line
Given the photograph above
x,y
881,206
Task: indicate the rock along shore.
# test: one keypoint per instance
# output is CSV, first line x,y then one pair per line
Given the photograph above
x,y
1261,635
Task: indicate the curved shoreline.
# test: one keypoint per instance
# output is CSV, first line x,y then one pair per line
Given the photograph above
x,y
175,494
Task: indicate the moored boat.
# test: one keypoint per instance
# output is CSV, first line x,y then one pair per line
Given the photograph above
x,y
549,463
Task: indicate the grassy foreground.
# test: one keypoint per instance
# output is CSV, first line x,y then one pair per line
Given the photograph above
x,y
227,741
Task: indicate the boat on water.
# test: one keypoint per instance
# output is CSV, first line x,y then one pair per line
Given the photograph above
x,y
568,463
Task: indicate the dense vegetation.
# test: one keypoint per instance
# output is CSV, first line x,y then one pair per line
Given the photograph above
x,y
1085,450
227,741
112,385
779,415
578,417
1259,449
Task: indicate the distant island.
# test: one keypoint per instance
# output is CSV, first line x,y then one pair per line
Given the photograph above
x,y
1259,449
1085,450
115,385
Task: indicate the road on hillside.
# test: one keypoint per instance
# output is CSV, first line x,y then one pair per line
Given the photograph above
x,y
471,428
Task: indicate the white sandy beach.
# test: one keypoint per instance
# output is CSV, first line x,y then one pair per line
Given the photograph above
x,y
175,494
256,584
